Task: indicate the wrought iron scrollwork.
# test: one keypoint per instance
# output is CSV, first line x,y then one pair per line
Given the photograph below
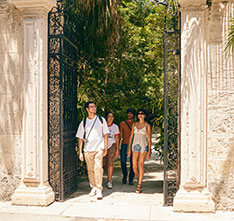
x,y
171,107
62,105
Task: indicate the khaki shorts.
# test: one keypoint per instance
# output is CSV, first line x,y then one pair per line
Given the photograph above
x,y
108,160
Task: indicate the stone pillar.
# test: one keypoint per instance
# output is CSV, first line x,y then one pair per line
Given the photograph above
x,y
34,188
193,195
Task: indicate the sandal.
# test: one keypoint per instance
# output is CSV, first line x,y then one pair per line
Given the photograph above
x,y
138,189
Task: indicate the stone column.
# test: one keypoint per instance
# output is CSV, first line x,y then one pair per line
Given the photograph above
x,y
193,195
34,188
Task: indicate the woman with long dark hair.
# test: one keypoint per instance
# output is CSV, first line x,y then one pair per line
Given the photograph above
x,y
140,140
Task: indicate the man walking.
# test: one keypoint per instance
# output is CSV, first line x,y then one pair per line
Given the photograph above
x,y
125,132
93,131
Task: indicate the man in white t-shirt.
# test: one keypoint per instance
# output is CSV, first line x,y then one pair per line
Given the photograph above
x,y
93,131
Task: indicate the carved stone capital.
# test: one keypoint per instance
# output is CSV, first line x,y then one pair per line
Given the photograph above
x,y
4,7
196,5
224,1
23,4
194,2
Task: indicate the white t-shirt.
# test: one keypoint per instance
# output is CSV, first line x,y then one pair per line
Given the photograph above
x,y
95,136
113,131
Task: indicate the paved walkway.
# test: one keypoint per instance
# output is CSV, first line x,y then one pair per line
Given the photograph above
x,y
120,203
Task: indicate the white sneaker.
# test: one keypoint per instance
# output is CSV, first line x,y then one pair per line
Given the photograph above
x,y
92,192
99,194
109,185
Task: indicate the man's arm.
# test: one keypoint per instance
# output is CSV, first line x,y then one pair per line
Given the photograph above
x,y
105,132
105,141
105,144
81,157
80,135
130,141
121,130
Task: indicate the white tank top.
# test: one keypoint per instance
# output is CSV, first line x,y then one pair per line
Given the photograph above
x,y
140,137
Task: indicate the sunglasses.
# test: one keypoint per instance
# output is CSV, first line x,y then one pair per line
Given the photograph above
x,y
141,113
93,106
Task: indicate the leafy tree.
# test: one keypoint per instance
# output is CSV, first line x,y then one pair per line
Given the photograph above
x,y
131,74
230,41
121,56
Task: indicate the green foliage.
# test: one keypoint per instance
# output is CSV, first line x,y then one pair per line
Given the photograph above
x,y
230,41
130,74
93,26
121,56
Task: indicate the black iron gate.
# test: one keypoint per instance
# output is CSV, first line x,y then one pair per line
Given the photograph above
x,y
171,105
62,105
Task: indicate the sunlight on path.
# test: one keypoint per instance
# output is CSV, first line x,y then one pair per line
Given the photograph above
x,y
152,192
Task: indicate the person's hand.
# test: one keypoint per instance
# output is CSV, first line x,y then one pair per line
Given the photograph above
x,y
81,157
148,155
117,154
129,152
104,152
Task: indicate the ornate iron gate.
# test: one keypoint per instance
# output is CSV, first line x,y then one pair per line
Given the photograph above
x,y
62,104
171,106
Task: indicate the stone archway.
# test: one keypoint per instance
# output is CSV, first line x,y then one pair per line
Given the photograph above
x,y
207,81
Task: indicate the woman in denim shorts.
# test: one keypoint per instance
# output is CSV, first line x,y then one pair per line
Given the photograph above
x,y
140,140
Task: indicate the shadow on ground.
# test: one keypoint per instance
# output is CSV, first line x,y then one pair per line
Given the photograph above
x,y
152,190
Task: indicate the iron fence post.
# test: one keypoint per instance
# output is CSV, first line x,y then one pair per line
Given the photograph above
x,y
165,186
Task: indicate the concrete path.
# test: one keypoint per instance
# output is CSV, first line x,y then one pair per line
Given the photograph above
x,y
120,203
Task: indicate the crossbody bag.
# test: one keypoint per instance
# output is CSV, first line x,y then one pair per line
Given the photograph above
x,y
85,139
128,125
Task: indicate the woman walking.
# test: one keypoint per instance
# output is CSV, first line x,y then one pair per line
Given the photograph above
x,y
112,148
141,146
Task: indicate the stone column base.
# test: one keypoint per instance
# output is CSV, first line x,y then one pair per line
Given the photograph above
x,y
33,196
198,201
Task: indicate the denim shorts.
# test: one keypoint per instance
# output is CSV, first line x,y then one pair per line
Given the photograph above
x,y
138,148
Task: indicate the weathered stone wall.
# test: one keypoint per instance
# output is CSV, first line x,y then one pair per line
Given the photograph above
x,y
220,134
11,105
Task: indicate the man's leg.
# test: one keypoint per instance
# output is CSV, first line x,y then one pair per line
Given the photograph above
x,y
89,158
123,159
106,163
131,173
98,170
